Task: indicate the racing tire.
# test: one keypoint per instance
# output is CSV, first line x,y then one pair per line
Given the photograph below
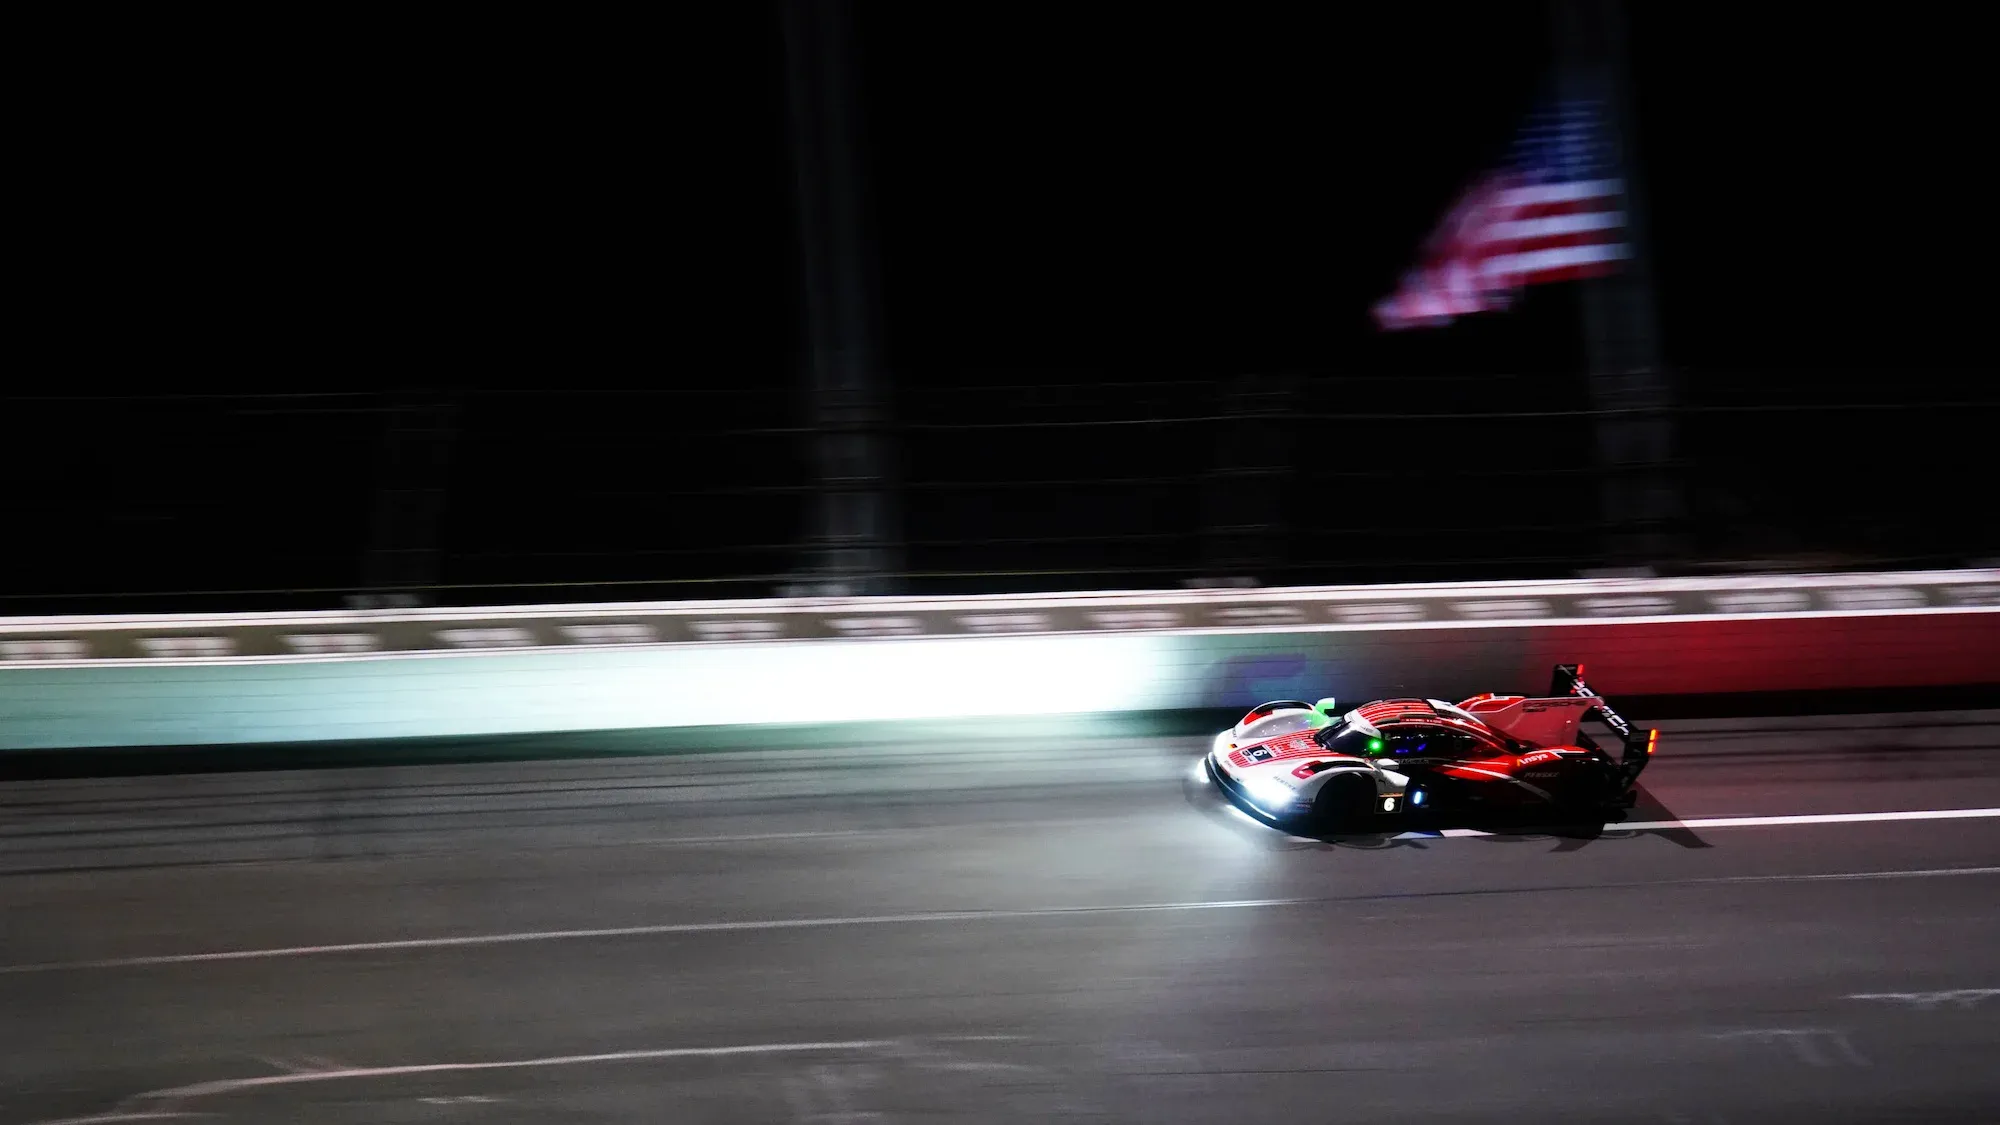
x,y
1591,793
1344,803
1587,795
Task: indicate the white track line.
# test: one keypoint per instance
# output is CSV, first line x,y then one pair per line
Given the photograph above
x,y
1843,876
1742,822
231,1085
227,1085
111,1118
672,928
644,931
1819,818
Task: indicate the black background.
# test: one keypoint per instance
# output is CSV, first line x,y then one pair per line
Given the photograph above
x,y
241,235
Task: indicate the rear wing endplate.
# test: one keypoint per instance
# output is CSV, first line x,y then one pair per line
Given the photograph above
x,y
1636,746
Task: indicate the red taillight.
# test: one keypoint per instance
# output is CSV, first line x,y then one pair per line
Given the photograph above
x,y
1652,739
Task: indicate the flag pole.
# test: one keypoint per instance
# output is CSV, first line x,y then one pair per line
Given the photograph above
x,y
1640,503
851,547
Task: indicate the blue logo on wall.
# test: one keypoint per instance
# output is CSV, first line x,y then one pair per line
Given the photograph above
x,y
1251,678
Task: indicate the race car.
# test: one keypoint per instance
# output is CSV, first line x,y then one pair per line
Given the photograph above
x,y
1395,759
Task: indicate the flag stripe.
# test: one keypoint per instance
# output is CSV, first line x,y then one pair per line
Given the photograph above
x,y
1553,212
1522,230
1507,265
1563,192
1487,249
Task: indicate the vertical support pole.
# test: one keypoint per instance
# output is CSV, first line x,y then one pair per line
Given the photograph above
x,y
1244,529
1640,494
405,544
849,537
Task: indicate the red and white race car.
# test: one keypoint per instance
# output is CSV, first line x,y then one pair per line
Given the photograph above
x,y
1394,758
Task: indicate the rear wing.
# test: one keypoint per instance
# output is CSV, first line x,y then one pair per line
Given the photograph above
x,y
1635,746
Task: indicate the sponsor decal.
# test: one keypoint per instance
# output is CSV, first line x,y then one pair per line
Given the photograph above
x,y
1759,601
609,633
738,629
877,626
1502,610
1626,606
1005,622
1379,612
495,637
1538,757
1134,618
44,648
320,644
1251,615
186,648
1860,598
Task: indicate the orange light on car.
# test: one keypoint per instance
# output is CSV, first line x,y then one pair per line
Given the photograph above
x,y
1652,739
1579,671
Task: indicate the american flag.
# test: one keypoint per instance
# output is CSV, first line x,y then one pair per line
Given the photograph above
x,y
1552,211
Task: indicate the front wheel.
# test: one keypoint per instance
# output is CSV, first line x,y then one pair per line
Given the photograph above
x,y
1344,802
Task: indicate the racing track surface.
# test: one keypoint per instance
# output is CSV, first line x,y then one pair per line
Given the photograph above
x,y
1005,931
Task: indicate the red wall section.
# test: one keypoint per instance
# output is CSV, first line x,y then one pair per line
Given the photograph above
x,y
1780,654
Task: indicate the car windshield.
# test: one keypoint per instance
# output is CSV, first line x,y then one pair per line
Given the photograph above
x,y
1350,734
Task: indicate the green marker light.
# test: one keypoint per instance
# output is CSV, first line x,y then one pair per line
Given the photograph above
x,y
1374,744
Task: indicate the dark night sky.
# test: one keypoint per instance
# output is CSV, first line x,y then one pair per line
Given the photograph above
x,y
1061,193
1235,186
1057,185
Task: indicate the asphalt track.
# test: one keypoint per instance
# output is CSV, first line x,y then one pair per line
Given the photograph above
x,y
1004,930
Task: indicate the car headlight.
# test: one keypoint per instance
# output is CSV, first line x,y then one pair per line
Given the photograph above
x,y
1271,793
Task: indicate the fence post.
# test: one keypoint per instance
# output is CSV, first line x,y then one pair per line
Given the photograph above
x,y
406,540
1640,493
1244,525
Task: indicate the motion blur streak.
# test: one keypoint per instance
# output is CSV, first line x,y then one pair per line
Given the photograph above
x,y
1151,957
229,1085
413,944
1761,821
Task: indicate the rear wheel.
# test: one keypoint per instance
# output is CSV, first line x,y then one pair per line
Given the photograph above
x,y
1344,802
1591,789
